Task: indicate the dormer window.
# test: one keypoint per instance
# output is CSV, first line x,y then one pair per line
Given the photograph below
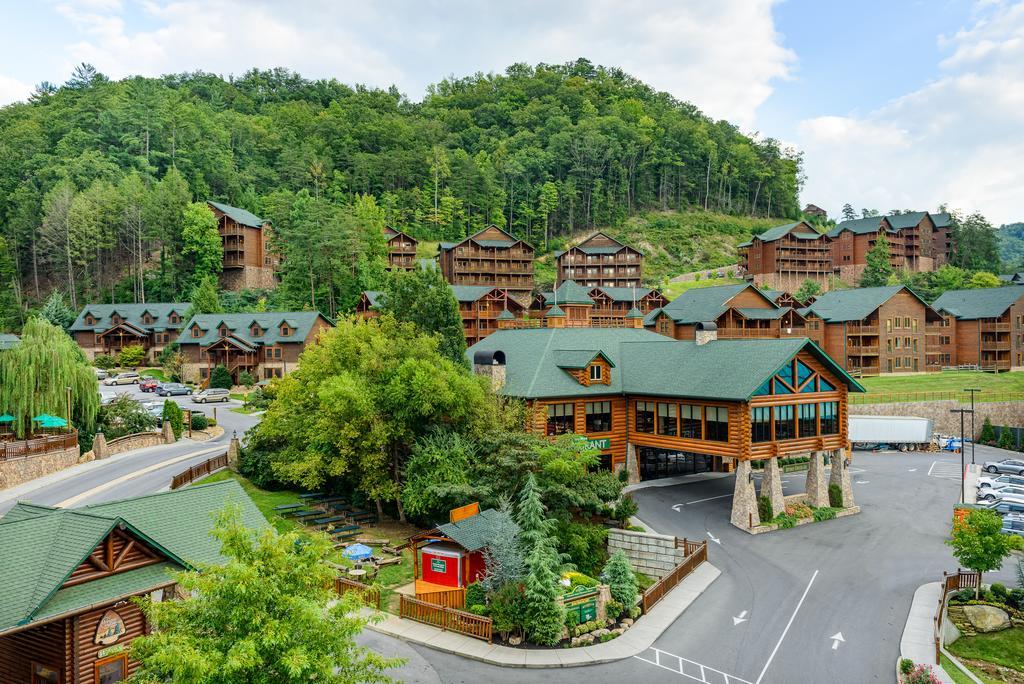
x,y
256,331
286,331
174,318
147,319
223,331
596,373
90,320
116,320
197,331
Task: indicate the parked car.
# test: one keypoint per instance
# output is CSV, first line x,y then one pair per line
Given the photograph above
x,y
1007,505
1013,523
1008,465
155,409
169,389
107,398
212,394
996,493
126,378
100,373
1000,481
149,384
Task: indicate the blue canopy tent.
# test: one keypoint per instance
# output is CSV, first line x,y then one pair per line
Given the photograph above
x,y
357,552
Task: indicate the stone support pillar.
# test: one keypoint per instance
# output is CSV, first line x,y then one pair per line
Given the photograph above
x,y
817,489
771,485
168,433
632,465
99,447
841,476
744,499
234,449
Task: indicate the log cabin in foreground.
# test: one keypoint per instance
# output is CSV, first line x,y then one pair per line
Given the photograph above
x,y
658,407
67,614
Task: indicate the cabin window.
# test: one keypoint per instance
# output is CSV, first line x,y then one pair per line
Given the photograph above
x,y
196,331
44,674
560,419
285,331
663,325
668,422
147,319
89,320
761,424
897,323
888,325
906,322
115,319
803,373
111,670
596,373
645,416
717,420
277,352
224,331
829,412
691,419
764,389
174,318
784,427
256,331
599,416
913,325
204,373
269,352
808,421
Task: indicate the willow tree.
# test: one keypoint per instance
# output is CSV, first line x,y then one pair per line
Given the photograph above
x,y
36,374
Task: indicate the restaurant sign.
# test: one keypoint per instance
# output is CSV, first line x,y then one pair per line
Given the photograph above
x,y
601,444
438,565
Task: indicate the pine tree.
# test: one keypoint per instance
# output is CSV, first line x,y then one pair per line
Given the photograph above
x,y
988,433
544,615
848,213
879,268
172,414
205,299
1005,439
221,378
503,555
57,312
618,575
10,306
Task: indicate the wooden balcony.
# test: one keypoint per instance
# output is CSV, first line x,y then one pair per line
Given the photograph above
x,y
994,326
863,350
858,329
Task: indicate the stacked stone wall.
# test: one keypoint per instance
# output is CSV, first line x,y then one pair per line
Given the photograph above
x,y
15,471
652,554
1008,413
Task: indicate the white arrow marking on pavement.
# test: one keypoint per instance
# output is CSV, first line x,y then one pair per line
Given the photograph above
x,y
836,638
912,470
742,617
715,539
676,507
862,482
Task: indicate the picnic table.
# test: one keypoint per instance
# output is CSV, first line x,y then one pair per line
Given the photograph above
x,y
307,514
298,512
327,521
363,517
357,574
333,499
346,529
312,495
288,507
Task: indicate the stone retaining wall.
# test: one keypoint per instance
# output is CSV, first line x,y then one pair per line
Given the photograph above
x,y
1009,413
652,554
18,470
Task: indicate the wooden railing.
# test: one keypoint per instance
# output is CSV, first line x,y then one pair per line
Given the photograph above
x,y
22,448
951,581
370,596
451,598
448,619
200,470
696,553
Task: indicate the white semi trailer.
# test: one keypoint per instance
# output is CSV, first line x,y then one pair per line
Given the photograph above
x,y
905,433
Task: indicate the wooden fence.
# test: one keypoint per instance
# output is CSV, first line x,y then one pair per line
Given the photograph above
x,y
448,619
696,553
23,448
370,596
451,598
962,397
200,470
951,581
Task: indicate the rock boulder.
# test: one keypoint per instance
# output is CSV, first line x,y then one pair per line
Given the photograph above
x,y
987,618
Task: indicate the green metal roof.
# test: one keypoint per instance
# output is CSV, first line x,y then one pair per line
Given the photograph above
x,y
597,250
470,293
107,588
506,315
571,292
578,358
856,304
246,218
765,314
706,303
511,240
7,341
624,294
554,312
634,313
900,221
652,316
646,363
989,302
942,219
374,297
240,325
475,532
131,314
43,546
861,226
777,232
772,294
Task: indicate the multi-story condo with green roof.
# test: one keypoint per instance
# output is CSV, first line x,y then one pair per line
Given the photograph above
x,y
250,262
108,328
492,258
982,328
785,256
265,345
600,261
659,407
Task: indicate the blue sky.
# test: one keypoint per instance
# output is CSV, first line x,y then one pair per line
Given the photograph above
x,y
895,104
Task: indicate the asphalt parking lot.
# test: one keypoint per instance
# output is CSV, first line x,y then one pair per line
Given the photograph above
x,y
225,416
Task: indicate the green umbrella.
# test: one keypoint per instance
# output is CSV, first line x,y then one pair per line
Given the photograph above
x,y
53,422
6,418
42,418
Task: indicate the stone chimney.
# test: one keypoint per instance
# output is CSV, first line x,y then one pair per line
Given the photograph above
x,y
490,364
705,332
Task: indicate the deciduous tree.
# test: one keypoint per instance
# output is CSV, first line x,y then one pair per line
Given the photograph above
x,y
878,268
978,542
423,297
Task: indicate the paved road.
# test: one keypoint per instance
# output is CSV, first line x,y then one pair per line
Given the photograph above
x,y
798,587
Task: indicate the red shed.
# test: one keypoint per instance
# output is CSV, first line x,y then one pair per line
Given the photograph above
x,y
451,555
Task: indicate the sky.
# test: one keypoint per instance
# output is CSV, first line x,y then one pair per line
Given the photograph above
x,y
895,104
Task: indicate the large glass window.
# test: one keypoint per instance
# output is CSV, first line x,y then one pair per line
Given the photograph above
x,y
599,416
668,422
784,427
645,416
808,420
560,419
717,419
829,411
761,424
803,372
690,426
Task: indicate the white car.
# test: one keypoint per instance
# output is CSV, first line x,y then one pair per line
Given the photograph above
x,y
1000,481
999,493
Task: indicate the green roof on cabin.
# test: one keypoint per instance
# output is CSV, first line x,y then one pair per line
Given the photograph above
x,y
836,306
989,302
702,304
246,218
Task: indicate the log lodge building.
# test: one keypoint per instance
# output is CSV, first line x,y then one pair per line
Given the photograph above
x,y
106,329
250,261
600,261
491,257
658,407
70,577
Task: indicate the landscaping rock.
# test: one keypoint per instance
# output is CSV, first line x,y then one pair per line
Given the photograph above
x,y
627,622
515,640
586,640
575,641
598,633
987,618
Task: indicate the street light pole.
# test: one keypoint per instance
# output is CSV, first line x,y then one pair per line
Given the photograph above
x,y
972,390
963,475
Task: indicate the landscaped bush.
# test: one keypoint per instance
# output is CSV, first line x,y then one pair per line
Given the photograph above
x,y
625,509
104,361
131,356
507,610
200,421
999,592
800,510
1016,599
988,433
825,513
614,609
1006,439
921,674
221,378
172,414
785,520
478,609
764,508
618,575
906,666
961,597
586,545
578,579
245,378
634,612
835,496
475,594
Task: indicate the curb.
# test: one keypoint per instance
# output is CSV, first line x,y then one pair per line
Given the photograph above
x,y
636,640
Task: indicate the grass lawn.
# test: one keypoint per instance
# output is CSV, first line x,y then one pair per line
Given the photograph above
x,y
238,396
264,500
246,410
156,373
673,290
947,381
959,677
1004,648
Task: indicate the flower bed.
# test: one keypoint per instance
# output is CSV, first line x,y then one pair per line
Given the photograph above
x,y
800,513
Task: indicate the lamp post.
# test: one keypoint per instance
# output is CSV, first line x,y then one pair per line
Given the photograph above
x,y
963,476
972,390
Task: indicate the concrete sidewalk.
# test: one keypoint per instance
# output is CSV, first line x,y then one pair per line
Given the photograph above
x,y
918,640
636,640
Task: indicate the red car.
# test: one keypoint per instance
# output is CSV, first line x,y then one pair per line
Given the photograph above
x,y
149,385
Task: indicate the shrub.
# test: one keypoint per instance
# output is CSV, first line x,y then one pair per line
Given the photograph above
x,y
824,513
578,579
1016,599
764,508
988,433
586,545
614,609
221,378
634,612
245,378
800,510
785,520
199,421
475,594
172,414
921,674
625,509
257,466
507,609
572,620
104,361
618,575
906,666
962,596
1005,439
258,400
999,592
478,609
131,356
835,496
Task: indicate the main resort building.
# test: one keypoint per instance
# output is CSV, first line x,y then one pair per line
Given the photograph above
x,y
658,407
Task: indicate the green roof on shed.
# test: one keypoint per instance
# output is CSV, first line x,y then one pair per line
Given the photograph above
x,y
472,533
246,218
989,302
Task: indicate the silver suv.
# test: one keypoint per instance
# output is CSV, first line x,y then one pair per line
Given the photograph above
x,y
212,394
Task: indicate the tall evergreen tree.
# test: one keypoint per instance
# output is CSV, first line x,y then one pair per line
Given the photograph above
x,y
848,213
201,245
878,268
10,305
422,296
205,299
57,312
544,614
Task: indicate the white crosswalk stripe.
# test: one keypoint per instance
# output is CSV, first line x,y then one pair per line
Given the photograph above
x,y
688,668
945,470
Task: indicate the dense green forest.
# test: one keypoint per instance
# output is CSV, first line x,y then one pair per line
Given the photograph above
x,y
95,174
1011,245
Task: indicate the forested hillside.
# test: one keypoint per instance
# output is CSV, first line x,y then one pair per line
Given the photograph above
x,y
1011,245
95,174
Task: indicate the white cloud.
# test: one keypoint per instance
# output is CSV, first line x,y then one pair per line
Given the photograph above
x,y
956,140
722,55
12,90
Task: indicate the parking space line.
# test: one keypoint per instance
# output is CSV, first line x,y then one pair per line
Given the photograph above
x,y
691,669
786,630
